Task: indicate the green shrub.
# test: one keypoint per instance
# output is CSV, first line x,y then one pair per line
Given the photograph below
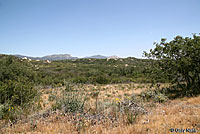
x,y
160,97
131,117
72,101
16,86
51,97
155,95
147,95
2,111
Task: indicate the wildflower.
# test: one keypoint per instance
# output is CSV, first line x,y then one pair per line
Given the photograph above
x,y
9,109
117,100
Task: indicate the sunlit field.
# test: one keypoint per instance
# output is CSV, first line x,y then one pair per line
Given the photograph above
x,y
107,109
99,67
156,95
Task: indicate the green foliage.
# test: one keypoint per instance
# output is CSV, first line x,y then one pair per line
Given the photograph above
x,y
131,117
52,97
16,85
157,95
72,101
94,71
179,62
16,92
147,95
2,111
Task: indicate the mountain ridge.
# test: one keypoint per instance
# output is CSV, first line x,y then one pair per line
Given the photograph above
x,y
54,57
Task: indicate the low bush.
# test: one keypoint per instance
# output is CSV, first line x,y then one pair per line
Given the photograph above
x,y
155,95
52,97
71,101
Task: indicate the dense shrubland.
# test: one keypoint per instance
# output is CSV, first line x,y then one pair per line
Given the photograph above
x,y
20,79
17,90
91,71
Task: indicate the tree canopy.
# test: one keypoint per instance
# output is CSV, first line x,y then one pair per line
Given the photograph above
x,y
179,61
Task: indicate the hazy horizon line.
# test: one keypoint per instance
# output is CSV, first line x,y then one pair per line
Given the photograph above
x,y
71,55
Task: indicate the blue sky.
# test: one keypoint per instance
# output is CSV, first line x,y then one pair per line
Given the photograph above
x,y
88,27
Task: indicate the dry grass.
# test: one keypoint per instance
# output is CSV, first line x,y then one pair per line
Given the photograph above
x,y
180,113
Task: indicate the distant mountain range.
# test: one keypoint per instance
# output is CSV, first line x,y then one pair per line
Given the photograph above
x,y
65,57
102,57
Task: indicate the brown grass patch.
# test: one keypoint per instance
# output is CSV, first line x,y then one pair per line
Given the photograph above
x,y
180,113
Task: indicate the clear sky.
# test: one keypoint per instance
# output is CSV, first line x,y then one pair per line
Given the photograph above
x,y
89,27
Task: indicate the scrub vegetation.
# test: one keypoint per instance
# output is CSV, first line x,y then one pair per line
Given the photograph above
x,y
86,96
